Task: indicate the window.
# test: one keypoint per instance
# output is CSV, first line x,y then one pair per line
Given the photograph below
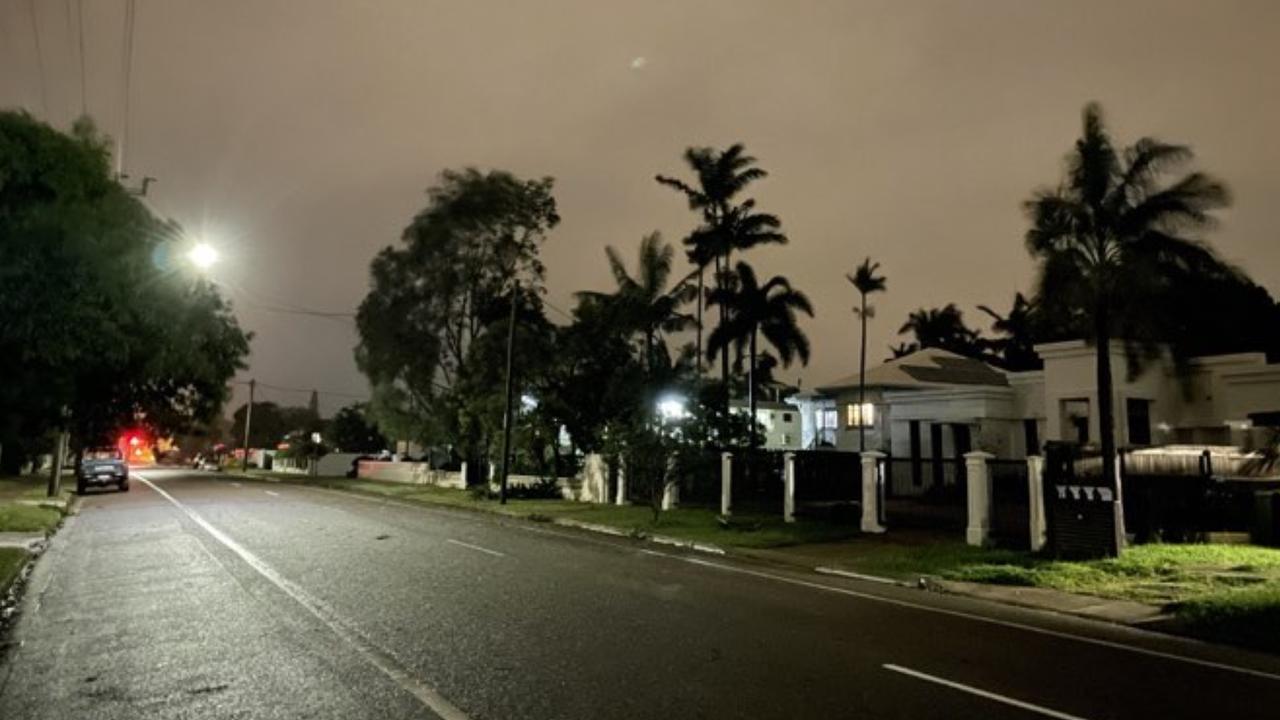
x,y
827,419
1138,413
1031,436
859,416
1075,420
786,417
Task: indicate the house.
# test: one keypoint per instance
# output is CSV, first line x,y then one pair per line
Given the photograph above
x,y
779,418
936,405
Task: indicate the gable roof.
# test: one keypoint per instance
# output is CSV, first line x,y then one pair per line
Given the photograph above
x,y
927,368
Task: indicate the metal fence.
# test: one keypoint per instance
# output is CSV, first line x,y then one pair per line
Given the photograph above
x,y
1010,503
828,476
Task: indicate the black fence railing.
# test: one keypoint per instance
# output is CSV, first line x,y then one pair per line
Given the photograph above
x,y
1010,503
827,476
757,481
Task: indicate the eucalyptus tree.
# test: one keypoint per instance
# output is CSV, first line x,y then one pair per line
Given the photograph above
x,y
769,310
865,280
1113,239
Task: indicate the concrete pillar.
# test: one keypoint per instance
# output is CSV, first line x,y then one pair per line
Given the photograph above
x,y
621,499
978,530
671,496
462,485
726,482
789,487
871,474
1035,494
595,479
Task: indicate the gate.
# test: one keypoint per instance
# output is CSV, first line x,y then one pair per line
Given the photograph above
x,y
1010,504
926,493
757,481
1079,504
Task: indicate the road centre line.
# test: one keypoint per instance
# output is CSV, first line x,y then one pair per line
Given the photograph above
x,y
379,658
459,543
1047,712
272,493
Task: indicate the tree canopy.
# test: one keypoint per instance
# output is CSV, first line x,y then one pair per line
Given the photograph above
x,y
104,326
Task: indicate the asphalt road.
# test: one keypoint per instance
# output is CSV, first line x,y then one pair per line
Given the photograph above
x,y
194,596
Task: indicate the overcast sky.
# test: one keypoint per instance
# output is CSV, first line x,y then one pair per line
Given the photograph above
x,y
300,136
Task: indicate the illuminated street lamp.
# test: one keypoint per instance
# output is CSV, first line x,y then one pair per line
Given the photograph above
x,y
672,407
203,256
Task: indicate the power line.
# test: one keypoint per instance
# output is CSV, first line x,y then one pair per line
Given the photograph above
x,y
35,29
305,391
127,65
84,104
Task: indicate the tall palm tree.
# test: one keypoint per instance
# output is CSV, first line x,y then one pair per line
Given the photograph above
x,y
1111,240
1019,331
865,281
769,310
644,304
728,224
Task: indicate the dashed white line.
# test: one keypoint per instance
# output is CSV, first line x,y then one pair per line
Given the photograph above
x,y
469,546
272,493
1047,712
374,655
236,485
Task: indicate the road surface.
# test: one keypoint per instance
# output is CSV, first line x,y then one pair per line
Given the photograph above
x,y
198,596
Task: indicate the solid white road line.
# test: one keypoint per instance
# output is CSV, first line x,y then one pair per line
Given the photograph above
x,y
1226,667
981,693
272,493
379,658
469,546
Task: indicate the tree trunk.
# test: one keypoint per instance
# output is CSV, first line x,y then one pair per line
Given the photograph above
x,y
1106,413
701,294
862,379
751,389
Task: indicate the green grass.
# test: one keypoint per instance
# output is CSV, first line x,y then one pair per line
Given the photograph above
x,y
1245,616
11,562
690,524
16,512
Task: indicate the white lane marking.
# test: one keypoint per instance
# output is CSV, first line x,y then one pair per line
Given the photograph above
x,y
236,485
494,553
379,658
977,618
981,693
272,493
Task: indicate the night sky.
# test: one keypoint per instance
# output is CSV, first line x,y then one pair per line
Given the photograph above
x,y
300,136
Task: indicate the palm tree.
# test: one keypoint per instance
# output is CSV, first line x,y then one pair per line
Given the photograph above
x,y
865,281
942,328
727,224
1019,332
644,304
1111,241
769,310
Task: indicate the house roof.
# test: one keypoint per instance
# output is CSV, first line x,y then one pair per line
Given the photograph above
x,y
930,367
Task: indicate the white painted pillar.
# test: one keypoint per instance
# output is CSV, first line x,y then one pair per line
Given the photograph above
x,y
671,496
622,484
726,482
595,479
978,480
1035,505
462,485
789,487
871,491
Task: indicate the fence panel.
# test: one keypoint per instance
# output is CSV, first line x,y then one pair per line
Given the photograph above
x,y
828,476
926,493
757,480
1010,503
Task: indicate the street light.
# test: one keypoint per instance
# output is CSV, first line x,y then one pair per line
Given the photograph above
x,y
203,256
672,407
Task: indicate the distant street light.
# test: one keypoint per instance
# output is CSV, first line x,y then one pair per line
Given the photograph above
x,y
203,256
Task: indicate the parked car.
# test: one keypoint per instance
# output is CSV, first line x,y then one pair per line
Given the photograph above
x,y
102,466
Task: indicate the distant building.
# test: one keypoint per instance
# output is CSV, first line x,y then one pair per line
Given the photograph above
x,y
934,404
779,418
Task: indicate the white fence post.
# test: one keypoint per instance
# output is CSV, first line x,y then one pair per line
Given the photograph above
x,y
726,482
670,496
1035,502
871,491
595,479
789,487
622,484
978,480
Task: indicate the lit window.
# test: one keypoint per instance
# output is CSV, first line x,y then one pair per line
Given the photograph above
x,y
859,416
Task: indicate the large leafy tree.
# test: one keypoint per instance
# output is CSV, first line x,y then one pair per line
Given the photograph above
x,y
463,260
351,430
767,309
1113,240
1017,332
728,222
646,304
103,326
865,280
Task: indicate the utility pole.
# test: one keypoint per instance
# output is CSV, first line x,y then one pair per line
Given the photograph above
x,y
506,418
248,417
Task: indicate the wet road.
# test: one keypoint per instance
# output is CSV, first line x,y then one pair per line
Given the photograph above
x,y
196,596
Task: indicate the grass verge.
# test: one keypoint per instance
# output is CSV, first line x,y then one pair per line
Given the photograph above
x,y
11,563
19,508
690,524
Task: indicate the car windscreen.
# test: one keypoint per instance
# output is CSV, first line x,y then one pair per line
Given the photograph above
x,y
110,454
